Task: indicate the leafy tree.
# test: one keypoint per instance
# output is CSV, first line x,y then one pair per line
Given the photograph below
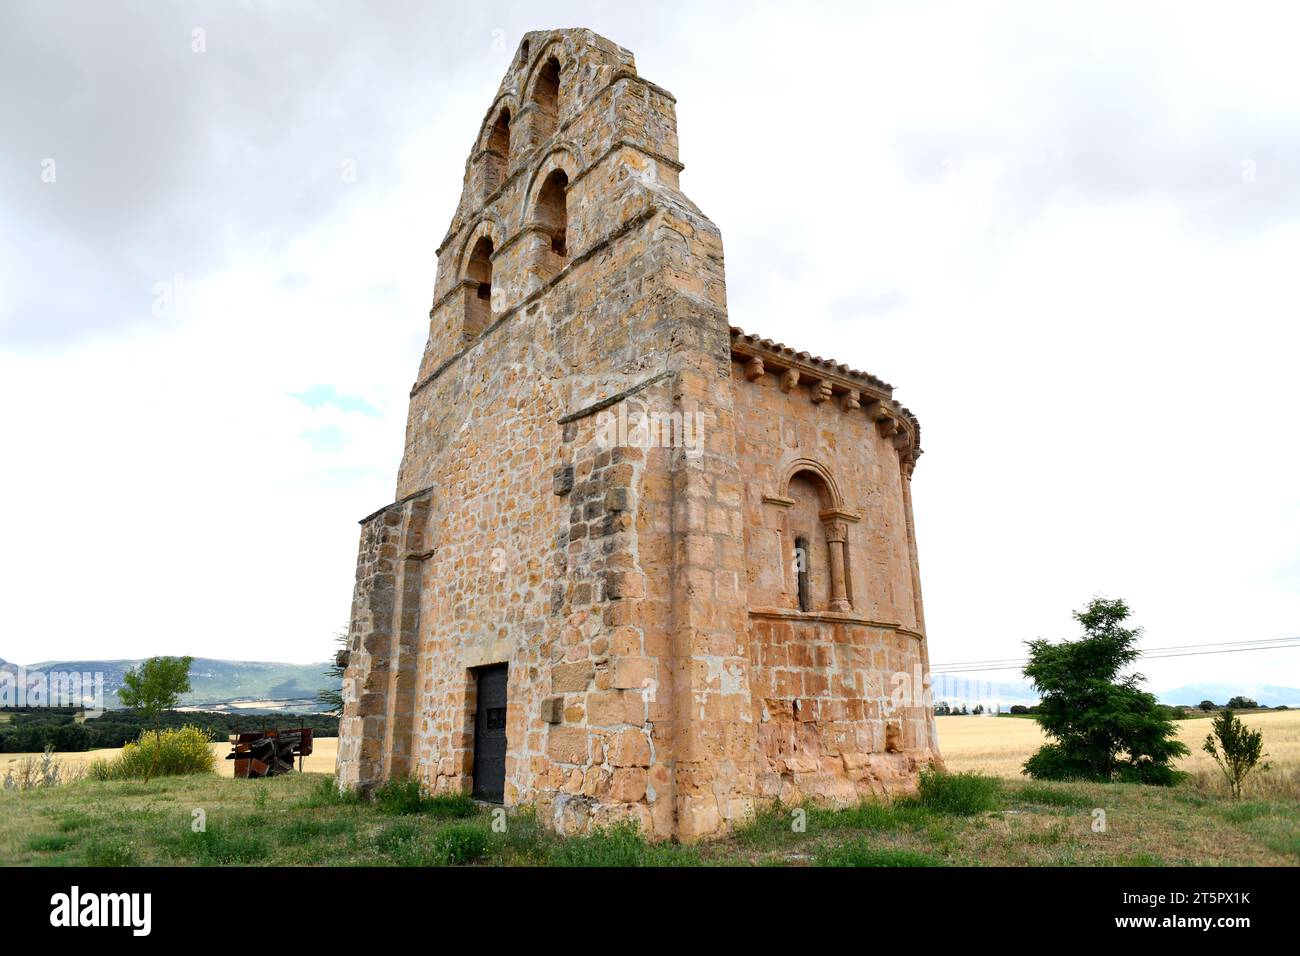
x,y
1103,726
1239,750
1207,705
155,686
332,697
1242,703
73,737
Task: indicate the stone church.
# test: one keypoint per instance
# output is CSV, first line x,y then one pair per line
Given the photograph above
x,y
640,564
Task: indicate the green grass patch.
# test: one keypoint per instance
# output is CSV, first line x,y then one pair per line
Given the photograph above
x,y
458,844
862,853
959,794
406,798
50,842
220,845
870,815
111,851
620,845
1049,797
326,793
301,830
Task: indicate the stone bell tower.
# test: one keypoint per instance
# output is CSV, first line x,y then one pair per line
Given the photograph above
x,y
554,609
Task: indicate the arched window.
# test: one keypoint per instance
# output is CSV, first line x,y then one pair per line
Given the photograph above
x,y
817,527
808,539
478,300
497,158
552,211
546,96
499,141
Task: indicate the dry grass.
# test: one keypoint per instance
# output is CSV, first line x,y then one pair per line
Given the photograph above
x,y
999,746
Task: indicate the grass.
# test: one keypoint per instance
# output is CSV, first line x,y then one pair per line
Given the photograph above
x,y
861,853
959,819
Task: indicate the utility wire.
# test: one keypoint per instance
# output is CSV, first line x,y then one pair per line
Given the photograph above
x,y
1155,653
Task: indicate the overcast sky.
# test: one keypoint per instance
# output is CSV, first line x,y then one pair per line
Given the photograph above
x,y
1069,238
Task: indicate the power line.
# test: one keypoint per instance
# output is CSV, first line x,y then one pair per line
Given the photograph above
x,y
1155,653
1163,647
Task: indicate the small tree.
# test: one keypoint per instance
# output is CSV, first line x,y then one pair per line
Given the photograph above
x,y
1207,705
1104,726
332,697
154,688
1239,750
1242,703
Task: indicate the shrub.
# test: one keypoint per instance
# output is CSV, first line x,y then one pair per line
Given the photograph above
x,y
178,752
862,853
1239,750
960,794
44,771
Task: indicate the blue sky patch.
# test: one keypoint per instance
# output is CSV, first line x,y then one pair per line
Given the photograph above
x,y
319,395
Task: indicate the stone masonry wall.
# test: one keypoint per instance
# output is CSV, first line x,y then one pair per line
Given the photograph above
x,y
838,693
657,669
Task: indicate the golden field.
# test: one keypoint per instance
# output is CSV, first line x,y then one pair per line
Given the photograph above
x,y
998,746
324,752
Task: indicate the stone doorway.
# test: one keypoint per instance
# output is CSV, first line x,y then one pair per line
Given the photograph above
x,y
490,734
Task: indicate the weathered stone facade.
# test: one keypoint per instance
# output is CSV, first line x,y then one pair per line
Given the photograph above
x,y
604,486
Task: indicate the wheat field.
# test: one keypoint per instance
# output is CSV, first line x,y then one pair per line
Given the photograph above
x,y
324,752
1000,745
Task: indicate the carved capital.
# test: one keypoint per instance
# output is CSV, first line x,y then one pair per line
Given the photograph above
x,y
754,368
850,400
821,392
789,379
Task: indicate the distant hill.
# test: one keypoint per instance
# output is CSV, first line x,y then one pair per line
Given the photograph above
x,y
971,688
977,688
1266,695
247,686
